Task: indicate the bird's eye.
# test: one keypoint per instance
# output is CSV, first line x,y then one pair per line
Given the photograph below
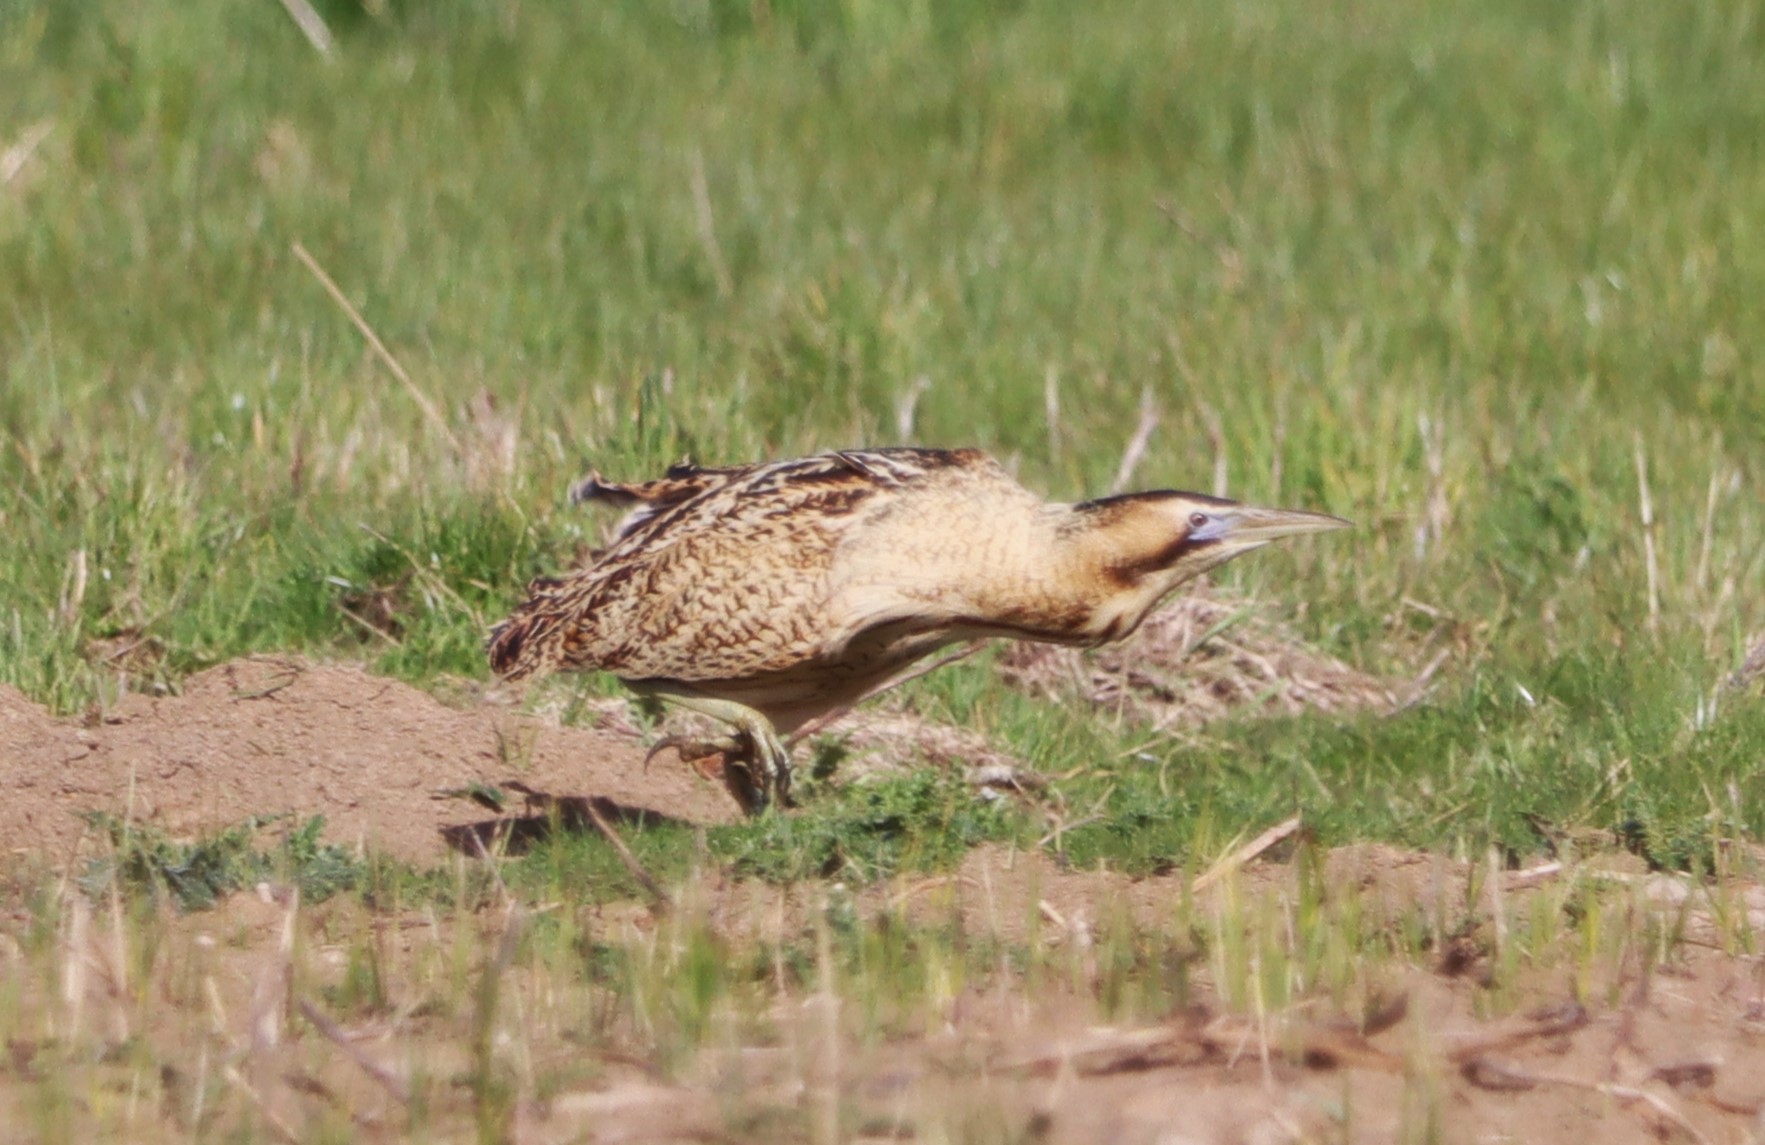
x,y
1197,520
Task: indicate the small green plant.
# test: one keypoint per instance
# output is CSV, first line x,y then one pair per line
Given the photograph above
x,y
194,874
867,831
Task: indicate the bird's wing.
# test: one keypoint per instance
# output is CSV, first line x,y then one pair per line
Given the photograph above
x,y
690,502
727,581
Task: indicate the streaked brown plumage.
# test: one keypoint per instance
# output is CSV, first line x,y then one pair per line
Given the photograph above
x,y
770,594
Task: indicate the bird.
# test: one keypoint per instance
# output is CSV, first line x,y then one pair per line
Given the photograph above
x,y
771,594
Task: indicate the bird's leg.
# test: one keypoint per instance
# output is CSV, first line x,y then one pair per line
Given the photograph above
x,y
755,741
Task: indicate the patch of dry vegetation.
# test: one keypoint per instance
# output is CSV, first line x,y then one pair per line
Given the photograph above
x,y
888,739
1364,995
1202,657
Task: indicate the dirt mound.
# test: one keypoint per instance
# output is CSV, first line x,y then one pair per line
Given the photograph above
x,y
1197,659
261,736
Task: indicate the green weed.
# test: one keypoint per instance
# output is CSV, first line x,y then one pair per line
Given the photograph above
x,y
194,874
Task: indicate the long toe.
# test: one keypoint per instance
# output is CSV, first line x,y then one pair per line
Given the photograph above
x,y
775,765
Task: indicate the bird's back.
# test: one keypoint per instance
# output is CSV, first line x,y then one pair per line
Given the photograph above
x,y
724,574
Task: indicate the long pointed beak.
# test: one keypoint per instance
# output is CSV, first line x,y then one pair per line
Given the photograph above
x,y
1253,525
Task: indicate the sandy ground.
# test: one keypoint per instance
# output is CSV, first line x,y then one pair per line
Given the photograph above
x,y
283,735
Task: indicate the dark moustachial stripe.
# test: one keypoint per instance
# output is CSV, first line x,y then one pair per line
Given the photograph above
x,y
1130,573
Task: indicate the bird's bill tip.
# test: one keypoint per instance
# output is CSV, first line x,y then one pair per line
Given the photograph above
x,y
1260,524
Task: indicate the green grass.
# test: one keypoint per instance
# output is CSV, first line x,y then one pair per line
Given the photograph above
x,y
1442,269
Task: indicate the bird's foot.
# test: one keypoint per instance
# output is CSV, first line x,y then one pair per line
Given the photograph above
x,y
754,750
753,765
758,774
727,758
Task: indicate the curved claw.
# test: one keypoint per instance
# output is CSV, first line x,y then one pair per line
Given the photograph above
x,y
690,750
744,767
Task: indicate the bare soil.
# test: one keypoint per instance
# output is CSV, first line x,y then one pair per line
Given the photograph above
x,y
285,735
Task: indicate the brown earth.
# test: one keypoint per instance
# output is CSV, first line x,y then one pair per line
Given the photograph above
x,y
285,735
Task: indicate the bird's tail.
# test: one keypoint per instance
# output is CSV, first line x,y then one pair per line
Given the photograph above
x,y
648,499
682,481
531,639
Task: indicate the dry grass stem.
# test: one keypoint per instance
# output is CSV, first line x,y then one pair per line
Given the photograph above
x,y
311,25
1051,409
1216,438
73,595
397,1086
1701,577
76,931
511,906
658,897
1437,516
1136,447
277,1123
14,158
1490,1074
1237,858
118,975
270,992
907,407
707,223
1646,504
380,351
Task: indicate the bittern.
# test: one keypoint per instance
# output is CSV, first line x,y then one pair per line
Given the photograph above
x,y
768,595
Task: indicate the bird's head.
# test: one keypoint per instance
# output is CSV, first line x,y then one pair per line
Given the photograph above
x,y
1146,544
